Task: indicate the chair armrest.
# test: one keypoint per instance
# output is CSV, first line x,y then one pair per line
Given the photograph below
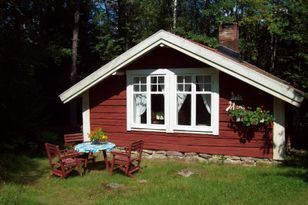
x,y
119,153
68,154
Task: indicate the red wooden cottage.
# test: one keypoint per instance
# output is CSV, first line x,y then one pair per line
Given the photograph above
x,y
174,93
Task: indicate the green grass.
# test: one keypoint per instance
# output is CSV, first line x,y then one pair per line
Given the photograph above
x,y
26,181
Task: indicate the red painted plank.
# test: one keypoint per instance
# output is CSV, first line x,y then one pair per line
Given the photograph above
x,y
109,109
115,102
99,115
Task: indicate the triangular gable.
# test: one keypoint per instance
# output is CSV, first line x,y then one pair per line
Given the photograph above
x,y
242,71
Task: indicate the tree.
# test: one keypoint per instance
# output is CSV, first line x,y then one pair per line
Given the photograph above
x,y
73,73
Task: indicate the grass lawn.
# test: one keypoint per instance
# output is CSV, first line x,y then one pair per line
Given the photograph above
x,y
26,181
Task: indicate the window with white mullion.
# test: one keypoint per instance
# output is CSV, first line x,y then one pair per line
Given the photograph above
x,y
157,96
140,100
173,100
203,100
194,101
184,100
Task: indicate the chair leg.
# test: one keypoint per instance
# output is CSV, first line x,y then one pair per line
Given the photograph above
x,y
85,166
79,167
111,168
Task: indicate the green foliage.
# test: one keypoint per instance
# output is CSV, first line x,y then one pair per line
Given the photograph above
x,y
202,39
249,117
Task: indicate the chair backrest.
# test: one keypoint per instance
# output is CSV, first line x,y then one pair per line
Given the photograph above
x,y
72,139
53,151
136,146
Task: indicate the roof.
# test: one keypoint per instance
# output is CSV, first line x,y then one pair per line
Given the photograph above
x,y
238,69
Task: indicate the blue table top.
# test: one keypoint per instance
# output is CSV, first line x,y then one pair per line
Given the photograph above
x,y
92,147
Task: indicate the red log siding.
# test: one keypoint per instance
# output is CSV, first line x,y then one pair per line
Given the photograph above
x,y
108,111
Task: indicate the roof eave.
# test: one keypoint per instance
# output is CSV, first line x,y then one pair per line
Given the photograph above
x,y
278,89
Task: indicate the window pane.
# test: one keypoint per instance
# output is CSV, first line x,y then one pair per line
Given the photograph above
x,y
161,79
158,109
203,109
136,87
187,79
180,87
143,80
200,87
154,79
180,79
188,87
143,88
153,87
161,87
184,109
140,106
200,79
203,83
207,79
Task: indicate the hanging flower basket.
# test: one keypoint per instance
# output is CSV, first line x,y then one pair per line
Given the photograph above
x,y
249,117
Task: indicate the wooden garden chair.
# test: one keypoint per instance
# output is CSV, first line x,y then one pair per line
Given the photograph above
x,y
70,140
62,162
126,161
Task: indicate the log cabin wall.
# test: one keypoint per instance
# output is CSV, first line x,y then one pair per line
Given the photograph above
x,y
108,111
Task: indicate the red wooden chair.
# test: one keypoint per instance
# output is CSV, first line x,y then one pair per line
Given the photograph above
x,y
126,161
70,140
62,162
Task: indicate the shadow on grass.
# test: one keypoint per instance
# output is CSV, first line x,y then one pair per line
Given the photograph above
x,y
96,166
299,174
19,169
299,160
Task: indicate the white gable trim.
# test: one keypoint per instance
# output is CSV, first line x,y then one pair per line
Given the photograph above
x,y
279,137
205,55
86,125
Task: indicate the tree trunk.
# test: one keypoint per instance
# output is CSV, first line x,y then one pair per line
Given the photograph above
x,y
206,24
73,74
175,4
273,52
107,15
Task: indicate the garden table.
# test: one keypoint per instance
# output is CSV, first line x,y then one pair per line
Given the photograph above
x,y
90,147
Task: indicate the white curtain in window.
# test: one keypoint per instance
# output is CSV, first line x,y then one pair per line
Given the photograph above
x,y
207,102
180,100
140,106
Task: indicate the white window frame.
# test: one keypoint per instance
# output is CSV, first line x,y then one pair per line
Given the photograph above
x,y
170,117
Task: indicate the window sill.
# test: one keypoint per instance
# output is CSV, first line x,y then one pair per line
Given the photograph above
x,y
163,130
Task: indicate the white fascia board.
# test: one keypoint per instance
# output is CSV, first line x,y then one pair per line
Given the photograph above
x,y
237,70
224,64
109,68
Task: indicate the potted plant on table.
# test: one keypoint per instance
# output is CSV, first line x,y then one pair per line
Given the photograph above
x,y
98,136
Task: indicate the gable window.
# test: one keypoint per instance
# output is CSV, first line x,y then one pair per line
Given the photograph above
x,y
173,100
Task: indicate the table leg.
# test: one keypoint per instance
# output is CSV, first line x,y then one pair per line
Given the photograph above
x,y
106,160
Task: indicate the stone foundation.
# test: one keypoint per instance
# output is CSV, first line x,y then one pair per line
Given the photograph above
x,y
208,158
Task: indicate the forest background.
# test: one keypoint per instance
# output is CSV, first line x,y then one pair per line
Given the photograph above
x,y
36,51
